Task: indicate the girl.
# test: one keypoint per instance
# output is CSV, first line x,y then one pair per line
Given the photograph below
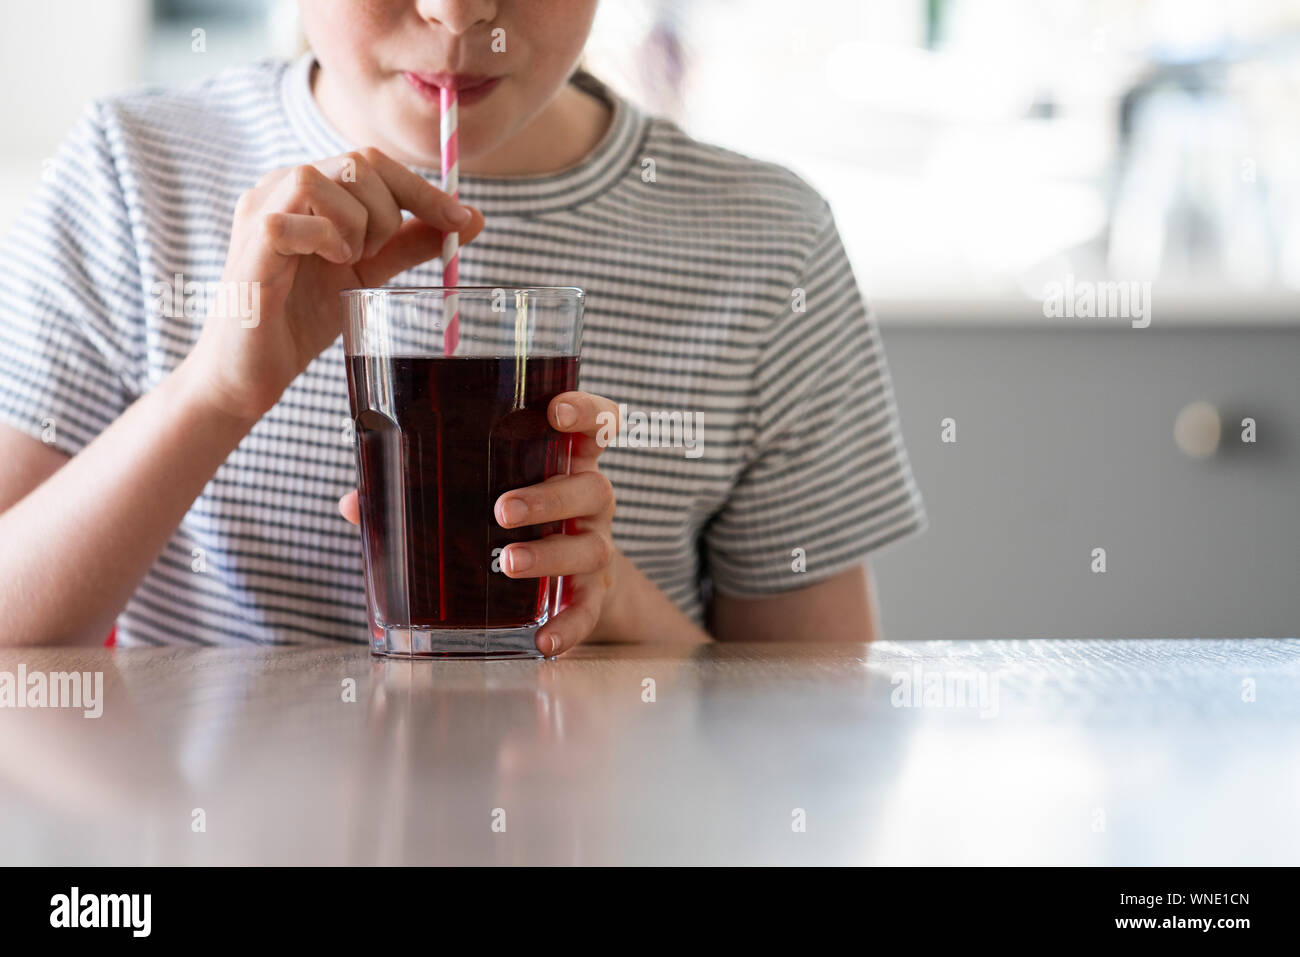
x,y
178,471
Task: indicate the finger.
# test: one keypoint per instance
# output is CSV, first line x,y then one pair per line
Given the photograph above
x,y
416,242
349,508
582,412
576,623
585,449
309,191
353,173
595,416
558,555
270,178
584,495
415,193
295,234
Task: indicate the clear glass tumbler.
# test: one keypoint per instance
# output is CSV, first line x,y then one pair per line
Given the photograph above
x,y
449,389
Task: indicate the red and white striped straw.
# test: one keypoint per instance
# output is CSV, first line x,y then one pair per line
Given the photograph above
x,y
450,241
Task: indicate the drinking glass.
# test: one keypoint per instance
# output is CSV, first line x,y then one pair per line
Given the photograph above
x,y
449,388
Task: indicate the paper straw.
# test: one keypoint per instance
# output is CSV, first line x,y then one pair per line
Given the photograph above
x,y
450,241
447,122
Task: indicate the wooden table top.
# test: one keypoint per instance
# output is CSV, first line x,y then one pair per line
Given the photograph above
x,y
1006,752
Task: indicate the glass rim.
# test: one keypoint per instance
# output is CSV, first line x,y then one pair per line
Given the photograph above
x,y
561,292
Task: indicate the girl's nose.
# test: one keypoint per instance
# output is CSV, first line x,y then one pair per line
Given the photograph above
x,y
458,16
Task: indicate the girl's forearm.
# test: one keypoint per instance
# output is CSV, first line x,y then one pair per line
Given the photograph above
x,y
637,610
78,545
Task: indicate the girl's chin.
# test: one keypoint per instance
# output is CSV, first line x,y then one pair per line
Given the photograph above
x,y
418,137
414,145
417,150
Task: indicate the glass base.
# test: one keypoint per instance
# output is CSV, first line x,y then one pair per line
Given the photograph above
x,y
480,644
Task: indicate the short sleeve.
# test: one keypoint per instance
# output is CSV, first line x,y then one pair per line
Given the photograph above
x,y
828,480
70,298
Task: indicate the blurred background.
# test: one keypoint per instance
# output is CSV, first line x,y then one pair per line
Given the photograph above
x,y
974,152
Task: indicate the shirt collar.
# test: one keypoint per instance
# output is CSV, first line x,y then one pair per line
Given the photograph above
x,y
613,157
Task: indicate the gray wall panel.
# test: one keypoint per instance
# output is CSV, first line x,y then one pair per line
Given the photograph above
x,y
1065,442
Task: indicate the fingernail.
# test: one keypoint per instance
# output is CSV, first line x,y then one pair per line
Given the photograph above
x,y
565,415
521,558
547,644
459,214
347,253
514,511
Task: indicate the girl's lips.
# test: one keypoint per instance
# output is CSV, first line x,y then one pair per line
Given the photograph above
x,y
469,88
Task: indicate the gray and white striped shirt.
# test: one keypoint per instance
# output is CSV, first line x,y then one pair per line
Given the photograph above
x,y
718,286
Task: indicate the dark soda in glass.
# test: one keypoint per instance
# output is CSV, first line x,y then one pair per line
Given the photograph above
x,y
462,431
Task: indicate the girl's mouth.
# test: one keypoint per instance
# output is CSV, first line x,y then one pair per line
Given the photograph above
x,y
470,88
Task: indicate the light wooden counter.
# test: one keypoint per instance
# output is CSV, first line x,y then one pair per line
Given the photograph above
x,y
1134,752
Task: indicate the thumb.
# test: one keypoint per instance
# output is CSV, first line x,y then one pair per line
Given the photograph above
x,y
414,242
349,508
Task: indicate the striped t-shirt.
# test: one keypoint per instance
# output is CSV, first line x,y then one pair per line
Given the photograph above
x,y
716,285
